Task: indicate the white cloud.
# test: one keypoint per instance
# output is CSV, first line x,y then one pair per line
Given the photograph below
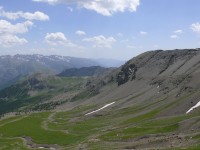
x,y
103,7
174,36
9,32
19,28
101,41
52,2
196,27
26,15
178,31
9,40
58,38
79,32
143,33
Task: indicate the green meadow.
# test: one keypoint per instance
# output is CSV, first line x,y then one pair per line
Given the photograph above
x,y
69,129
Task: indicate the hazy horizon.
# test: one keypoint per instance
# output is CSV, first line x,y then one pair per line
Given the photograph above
x,y
64,56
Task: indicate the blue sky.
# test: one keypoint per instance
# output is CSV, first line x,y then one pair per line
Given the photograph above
x,y
119,29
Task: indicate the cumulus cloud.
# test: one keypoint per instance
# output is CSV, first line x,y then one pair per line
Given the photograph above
x,y
9,40
143,33
174,36
196,27
79,32
9,33
178,31
26,15
103,7
101,41
19,28
58,38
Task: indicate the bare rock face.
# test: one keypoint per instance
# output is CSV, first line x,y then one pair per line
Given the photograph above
x,y
165,70
159,65
128,72
172,76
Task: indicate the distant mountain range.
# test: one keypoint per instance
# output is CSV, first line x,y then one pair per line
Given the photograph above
x,y
13,67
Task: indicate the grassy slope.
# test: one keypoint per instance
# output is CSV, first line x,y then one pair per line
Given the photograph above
x,y
18,97
69,129
10,144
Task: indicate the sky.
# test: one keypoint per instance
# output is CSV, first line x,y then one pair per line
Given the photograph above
x,y
117,29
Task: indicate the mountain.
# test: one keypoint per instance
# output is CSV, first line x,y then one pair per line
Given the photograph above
x,y
39,92
44,91
14,67
167,71
85,71
151,102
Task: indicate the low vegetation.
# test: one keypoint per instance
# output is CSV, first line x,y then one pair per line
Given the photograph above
x,y
71,129
34,92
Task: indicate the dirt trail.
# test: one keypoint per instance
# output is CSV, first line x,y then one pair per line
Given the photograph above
x,y
17,119
50,119
31,144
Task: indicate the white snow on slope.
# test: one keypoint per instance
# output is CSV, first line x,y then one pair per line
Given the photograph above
x,y
197,105
107,105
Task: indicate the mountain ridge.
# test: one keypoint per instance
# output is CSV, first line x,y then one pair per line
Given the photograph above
x,y
19,65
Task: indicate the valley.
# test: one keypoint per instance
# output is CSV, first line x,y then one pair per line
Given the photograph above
x,y
128,128
144,104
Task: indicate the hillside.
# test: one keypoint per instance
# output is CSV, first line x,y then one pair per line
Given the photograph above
x,y
155,74
39,92
14,67
85,71
141,105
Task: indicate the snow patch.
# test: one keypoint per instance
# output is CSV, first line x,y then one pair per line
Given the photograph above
x,y
191,109
107,105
